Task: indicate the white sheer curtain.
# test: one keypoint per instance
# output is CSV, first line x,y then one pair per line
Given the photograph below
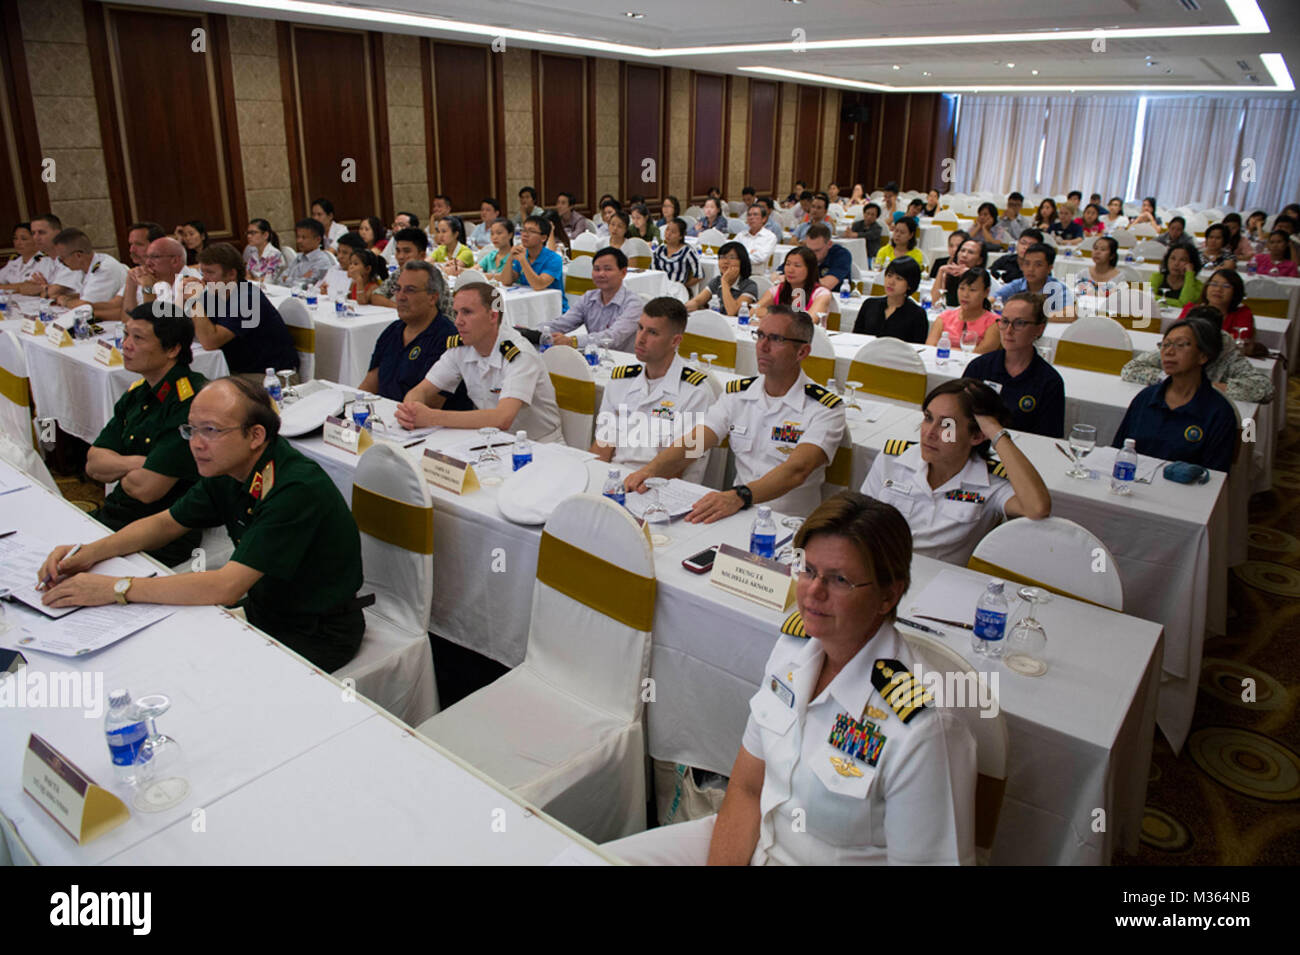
x,y
1189,146
1089,144
997,142
1271,140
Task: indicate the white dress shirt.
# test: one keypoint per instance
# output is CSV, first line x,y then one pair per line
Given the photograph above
x,y
641,416
759,247
16,270
101,281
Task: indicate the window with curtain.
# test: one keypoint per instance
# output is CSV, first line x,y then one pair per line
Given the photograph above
x,y
1189,146
997,147
1270,138
1088,144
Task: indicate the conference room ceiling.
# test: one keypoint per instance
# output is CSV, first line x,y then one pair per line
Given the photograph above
x,y
1084,46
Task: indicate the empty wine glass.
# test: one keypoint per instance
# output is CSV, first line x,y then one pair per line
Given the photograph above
x,y
786,553
1083,438
656,515
709,359
969,339
161,776
1026,649
853,394
489,462
287,394
833,386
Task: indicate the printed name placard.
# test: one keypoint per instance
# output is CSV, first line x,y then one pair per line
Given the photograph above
x,y
32,326
450,474
346,435
106,353
764,581
56,334
70,797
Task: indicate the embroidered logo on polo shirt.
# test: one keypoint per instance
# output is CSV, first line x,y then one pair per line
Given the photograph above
x,y
413,354
1027,403
1193,433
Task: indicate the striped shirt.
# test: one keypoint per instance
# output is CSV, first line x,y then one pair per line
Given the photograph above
x,y
681,266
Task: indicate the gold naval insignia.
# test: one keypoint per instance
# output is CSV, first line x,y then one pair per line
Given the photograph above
x,y
845,767
874,713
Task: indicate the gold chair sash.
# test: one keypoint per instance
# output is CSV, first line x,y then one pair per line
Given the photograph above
x,y
604,587
889,382
408,526
1108,361
1005,573
726,351
574,394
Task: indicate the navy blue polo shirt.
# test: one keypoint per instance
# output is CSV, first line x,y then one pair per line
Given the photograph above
x,y
1035,397
262,340
402,367
838,262
1200,432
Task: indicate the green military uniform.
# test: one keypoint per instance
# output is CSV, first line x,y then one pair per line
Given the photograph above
x,y
289,521
146,421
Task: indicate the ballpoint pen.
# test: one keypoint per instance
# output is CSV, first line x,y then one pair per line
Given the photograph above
x,y
947,623
920,626
68,556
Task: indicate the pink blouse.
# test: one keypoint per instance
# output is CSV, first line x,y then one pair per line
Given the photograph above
x,y
1264,265
953,325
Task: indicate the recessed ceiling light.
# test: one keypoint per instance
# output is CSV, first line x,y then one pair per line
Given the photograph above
x,y
794,1
1035,72
897,67
635,16
1011,66
925,73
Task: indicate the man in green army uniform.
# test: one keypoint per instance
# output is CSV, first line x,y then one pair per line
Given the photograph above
x,y
140,448
297,550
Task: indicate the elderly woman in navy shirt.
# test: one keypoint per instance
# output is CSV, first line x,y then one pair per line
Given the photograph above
x,y
1183,418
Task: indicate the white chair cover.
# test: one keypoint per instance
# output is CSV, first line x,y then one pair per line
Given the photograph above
x,y
1088,242
1150,249
22,455
676,290
711,326
1125,238
736,209
585,244
470,275
15,390
637,252
1145,229
712,238
1099,330
288,253
1050,553
394,666
884,358
693,212
762,282
564,729
295,315
575,391
577,276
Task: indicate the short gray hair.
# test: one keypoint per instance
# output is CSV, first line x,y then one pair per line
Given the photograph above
x,y
435,285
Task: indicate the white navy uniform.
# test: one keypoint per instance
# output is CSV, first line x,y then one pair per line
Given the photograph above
x,y
512,369
912,804
171,292
640,417
101,281
764,431
16,270
948,521
56,273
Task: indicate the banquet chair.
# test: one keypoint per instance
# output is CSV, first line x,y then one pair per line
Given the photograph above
x,y
1145,230
1094,344
890,369
23,456
690,221
288,253
736,209
394,513
1124,238
1267,296
1150,249
711,240
470,275
1134,306
833,315
575,393
676,290
637,252
564,730
1055,554
820,364
577,276
303,329
708,333
693,211
717,458
15,390
1087,243
762,282
585,244
987,726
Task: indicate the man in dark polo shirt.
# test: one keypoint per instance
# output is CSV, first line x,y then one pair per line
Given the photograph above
x,y
1031,389
1010,267
834,262
297,559
407,349
140,448
235,316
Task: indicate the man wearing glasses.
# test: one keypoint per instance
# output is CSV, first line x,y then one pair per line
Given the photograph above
x,y
160,277
297,559
533,264
782,426
1031,389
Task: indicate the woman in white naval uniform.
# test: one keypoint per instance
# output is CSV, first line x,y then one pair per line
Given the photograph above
x,y
844,759
946,487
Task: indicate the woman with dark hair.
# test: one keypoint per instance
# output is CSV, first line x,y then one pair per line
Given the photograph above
x,y
1178,283
194,236
674,257
1104,274
946,485
842,723
799,287
1089,223
1240,243
367,270
987,230
1226,292
731,287
322,210
1147,215
620,227
930,207
1115,218
643,227
895,314
955,239
902,241
1231,371
1217,254
1046,216
501,233
263,260
451,252
1279,259
971,254
1254,231
712,218
1183,418
558,240
373,233
972,315
670,209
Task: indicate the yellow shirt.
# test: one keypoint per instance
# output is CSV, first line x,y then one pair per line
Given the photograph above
x,y
886,255
463,253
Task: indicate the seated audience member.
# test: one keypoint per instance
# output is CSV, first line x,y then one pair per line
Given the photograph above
x,y
858,196
1176,232
833,193
748,196
643,227
534,265
28,258
1147,214
1010,221
1009,267
1114,218
496,260
895,314
1069,210
670,209
910,802
783,429
945,485
1104,272
1065,230
1254,231
138,237
954,240
312,262
800,187
660,394
49,274
194,236
1226,292
503,375
408,348
558,240
608,206
263,261
772,222
834,262
758,241
403,220
619,226
1216,254
235,316
1089,223
372,232
367,271
712,218
1045,216
971,254
611,308
141,448
1036,267
410,244
99,275
1280,258
489,211
1177,283
297,550
732,287
868,228
902,241
817,216
527,203
799,288
986,229
930,207
349,246
322,210
1229,370
451,250
573,221
439,208
160,278
889,203
1031,390
914,208
675,258
972,315
1183,418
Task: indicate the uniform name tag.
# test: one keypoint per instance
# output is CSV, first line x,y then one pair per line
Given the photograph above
x,y
32,326
106,353
764,581
82,809
346,435
783,692
57,335
448,473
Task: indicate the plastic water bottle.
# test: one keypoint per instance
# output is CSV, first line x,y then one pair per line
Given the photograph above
x,y
1250,267
125,731
614,487
4,301
715,303
695,359
544,337
272,385
80,328
1126,464
592,353
519,235
762,536
340,307
742,316
945,348
523,450
990,620
846,290
925,304
392,270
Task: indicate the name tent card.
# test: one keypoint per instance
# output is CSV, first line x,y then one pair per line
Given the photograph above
x,y
450,474
106,353
346,435
57,335
82,809
766,582
32,326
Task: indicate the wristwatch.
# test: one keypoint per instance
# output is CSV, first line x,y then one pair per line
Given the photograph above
x,y
121,587
745,494
1004,433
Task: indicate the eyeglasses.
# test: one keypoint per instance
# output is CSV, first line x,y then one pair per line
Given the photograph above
x,y
775,340
531,231
189,432
1019,324
835,583
1171,346
409,289
1226,285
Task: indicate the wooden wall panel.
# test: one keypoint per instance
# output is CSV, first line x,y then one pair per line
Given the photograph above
x,y
461,133
708,119
807,136
920,136
561,127
643,131
760,166
893,139
22,192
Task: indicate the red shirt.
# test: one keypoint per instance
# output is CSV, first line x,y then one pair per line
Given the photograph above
x,y
1239,318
